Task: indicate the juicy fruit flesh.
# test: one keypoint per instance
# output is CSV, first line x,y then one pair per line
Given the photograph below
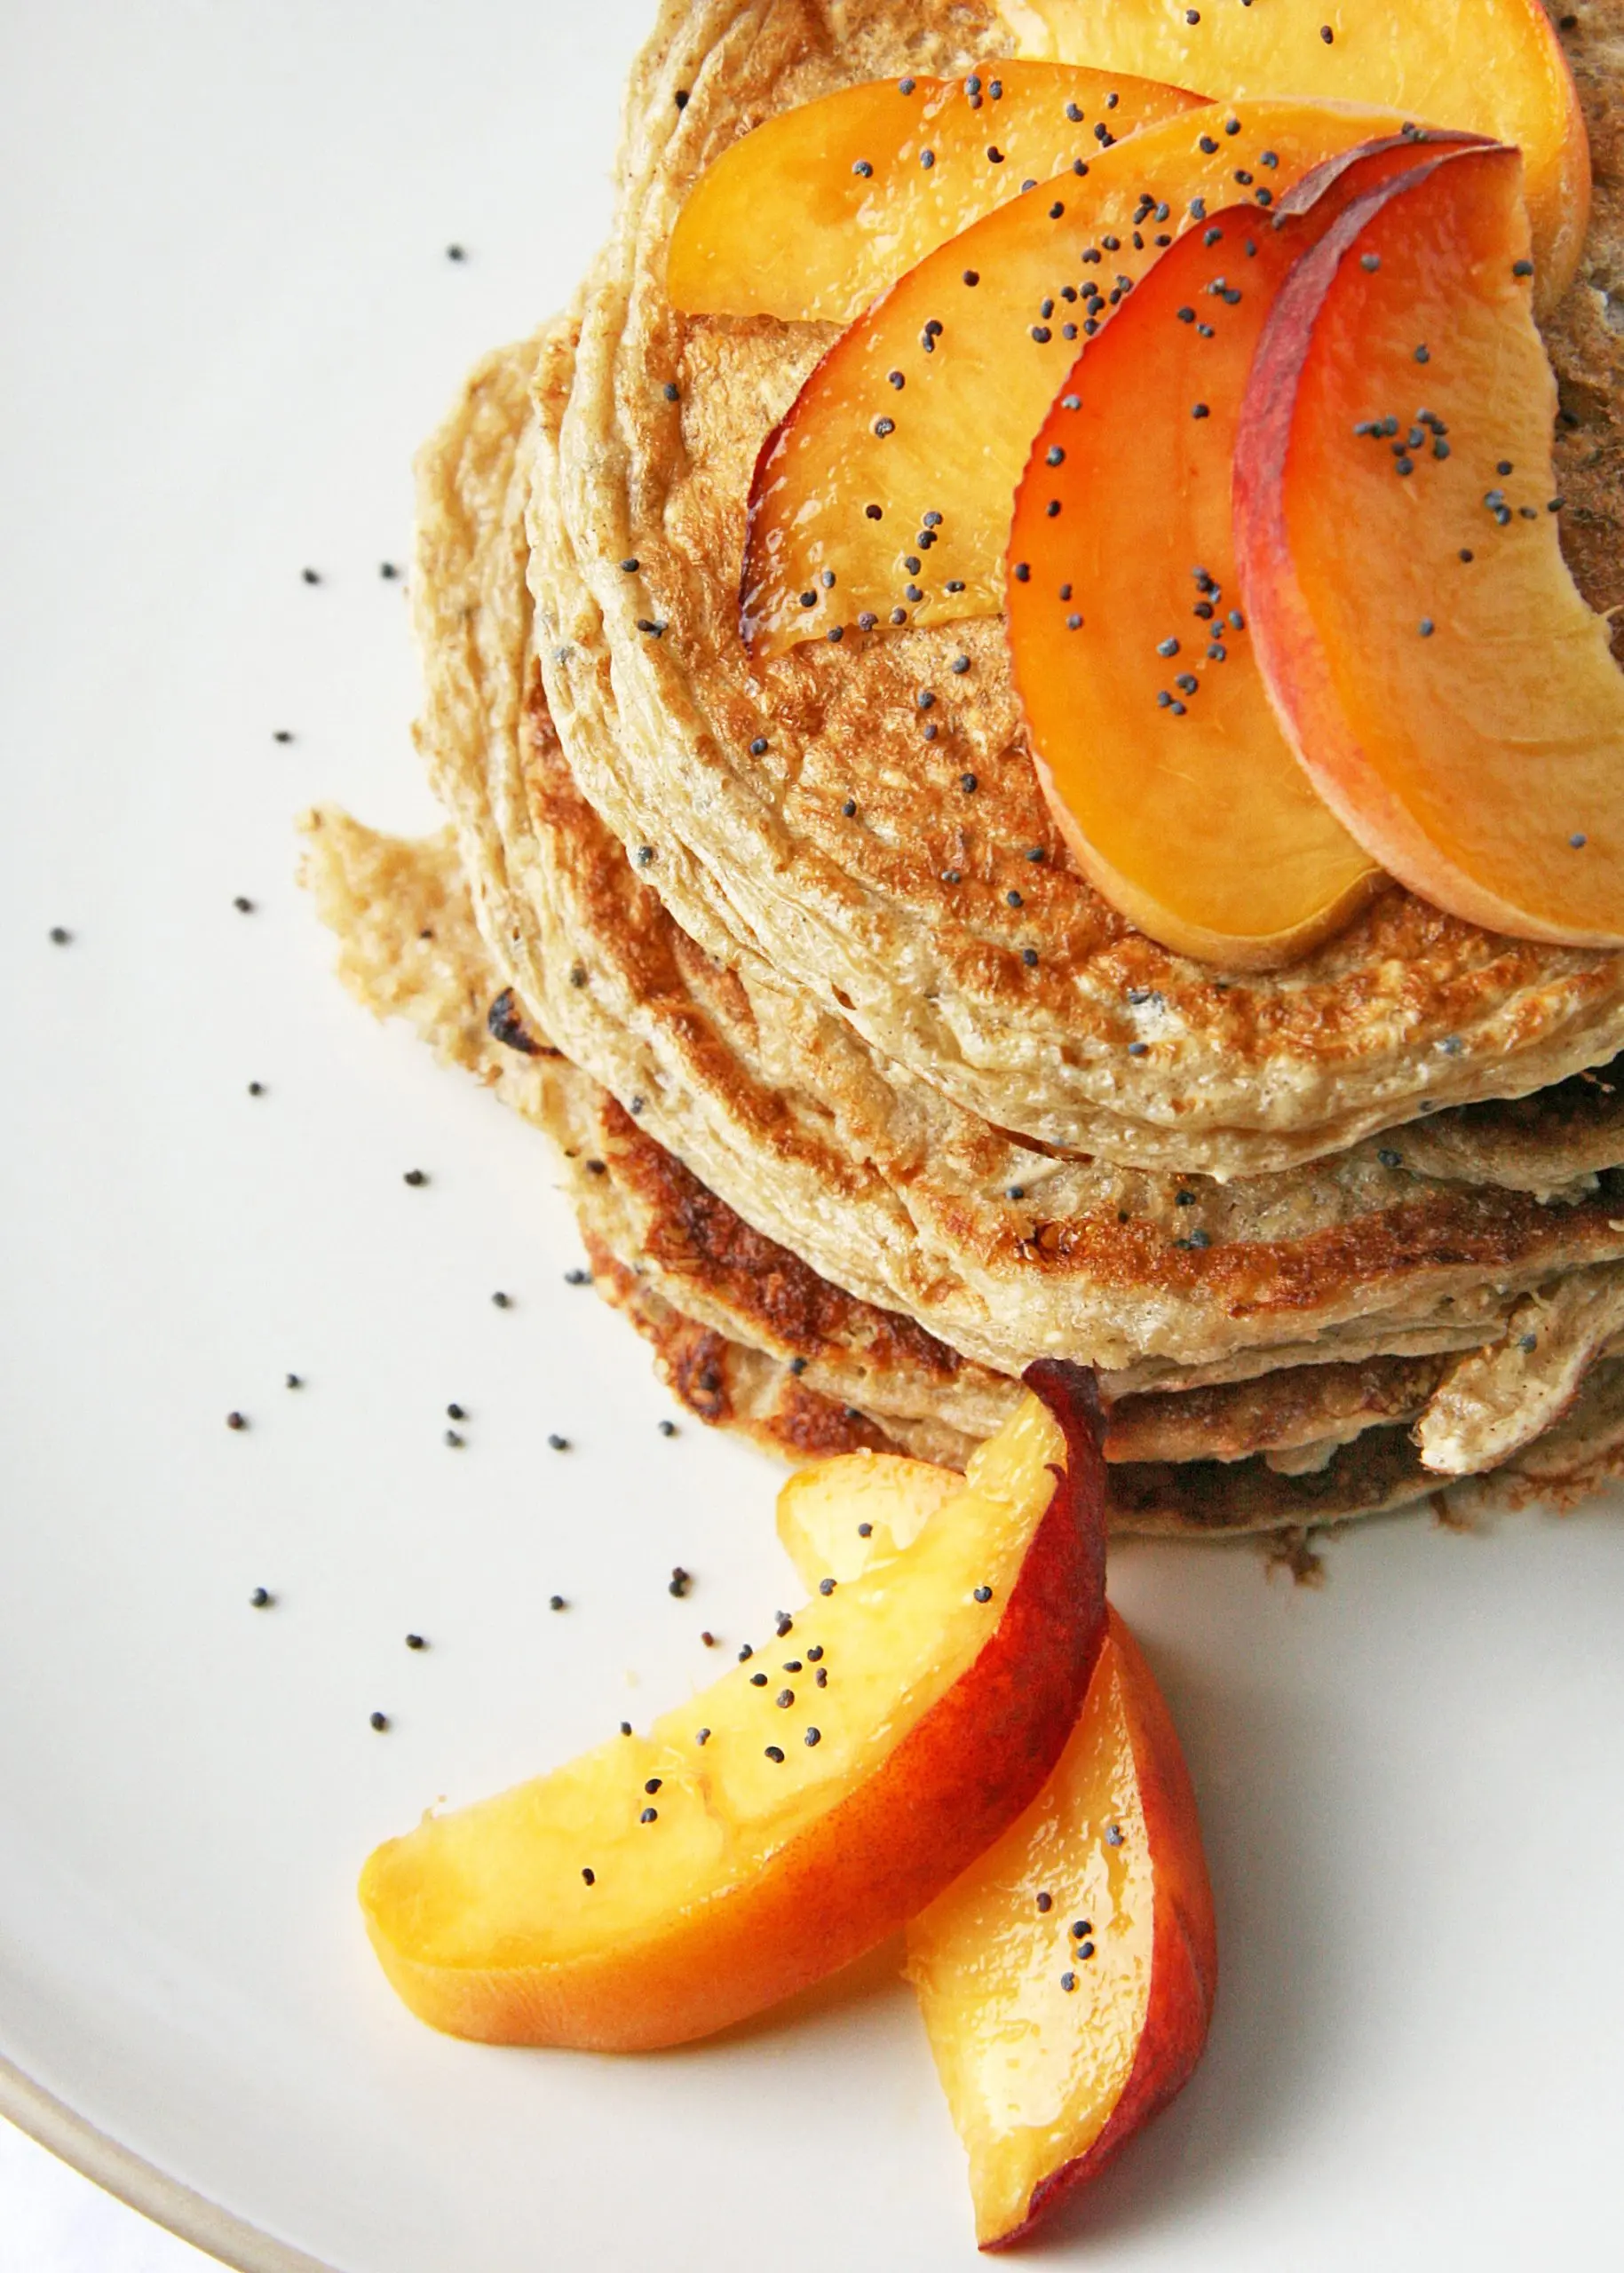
x,y
1448,688
819,210
500,1884
1035,2070
840,1517
939,457
1493,67
1149,719
1043,2080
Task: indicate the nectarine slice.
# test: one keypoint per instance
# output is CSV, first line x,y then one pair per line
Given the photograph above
x,y
1149,722
1046,2080
1066,1979
883,498
837,1517
1448,691
798,1810
820,209
1494,66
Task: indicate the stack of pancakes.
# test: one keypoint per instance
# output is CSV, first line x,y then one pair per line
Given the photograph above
x,y
868,1097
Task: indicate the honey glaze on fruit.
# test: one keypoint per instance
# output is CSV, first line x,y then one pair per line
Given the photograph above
x,y
883,498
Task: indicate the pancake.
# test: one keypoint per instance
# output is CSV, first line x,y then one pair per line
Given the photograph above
x,y
1406,1266
755,854
878,1181
781,1357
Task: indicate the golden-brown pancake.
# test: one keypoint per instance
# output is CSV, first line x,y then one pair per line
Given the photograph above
x,y
825,1239
748,1339
740,775
882,1184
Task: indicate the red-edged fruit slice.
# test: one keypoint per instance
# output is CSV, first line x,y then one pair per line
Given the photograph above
x,y
1152,729
819,210
883,496
1066,1979
1493,67
1448,691
770,1830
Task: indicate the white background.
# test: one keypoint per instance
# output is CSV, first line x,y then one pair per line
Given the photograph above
x,y
229,319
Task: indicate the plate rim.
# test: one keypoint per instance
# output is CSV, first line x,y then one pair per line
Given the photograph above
x,y
130,2179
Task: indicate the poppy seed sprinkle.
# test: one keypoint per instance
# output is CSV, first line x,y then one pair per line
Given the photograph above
x,y
261,1598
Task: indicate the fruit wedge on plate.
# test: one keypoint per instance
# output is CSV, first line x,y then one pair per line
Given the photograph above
x,y
819,210
797,1812
1444,687
883,497
1493,67
1149,720
1067,1977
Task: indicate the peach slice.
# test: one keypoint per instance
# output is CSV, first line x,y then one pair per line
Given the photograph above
x,y
1493,67
1046,2080
1066,1979
818,209
1448,691
1149,720
883,496
797,1812
838,1517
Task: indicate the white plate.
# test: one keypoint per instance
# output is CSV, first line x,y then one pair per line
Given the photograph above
x,y
229,317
